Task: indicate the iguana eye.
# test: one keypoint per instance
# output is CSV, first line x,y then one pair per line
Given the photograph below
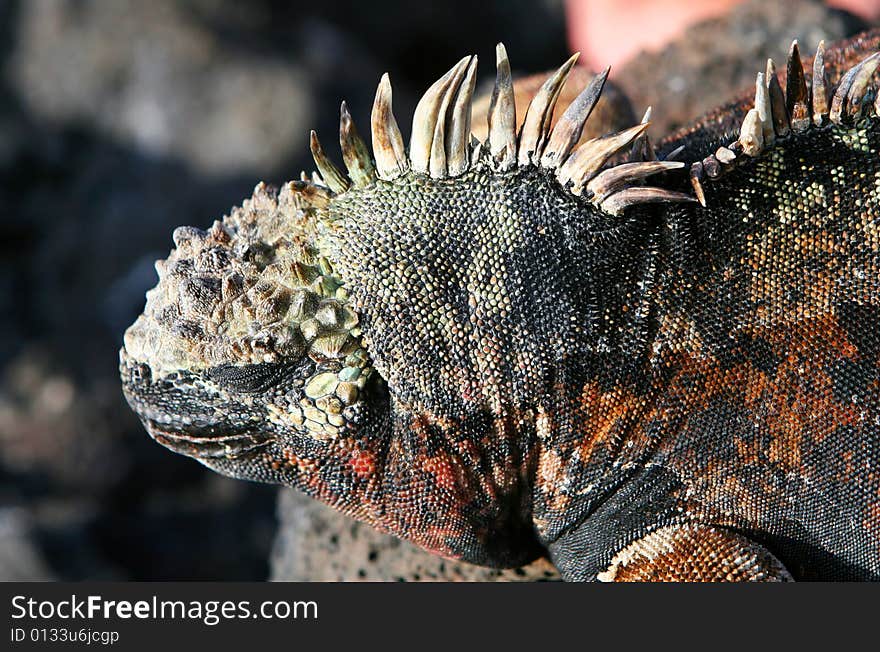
x,y
249,378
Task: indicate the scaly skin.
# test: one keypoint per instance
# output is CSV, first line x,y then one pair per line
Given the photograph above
x,y
493,367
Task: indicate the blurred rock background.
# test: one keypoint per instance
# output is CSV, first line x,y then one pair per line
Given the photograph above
x,y
120,120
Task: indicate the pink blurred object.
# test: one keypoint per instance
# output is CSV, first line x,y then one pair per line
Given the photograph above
x,y
609,32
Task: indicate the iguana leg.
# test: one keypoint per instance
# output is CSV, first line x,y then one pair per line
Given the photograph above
x,y
694,553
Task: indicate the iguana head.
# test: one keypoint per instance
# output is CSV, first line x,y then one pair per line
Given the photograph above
x,y
392,340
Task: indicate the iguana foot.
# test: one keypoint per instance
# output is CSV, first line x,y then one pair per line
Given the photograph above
x,y
694,553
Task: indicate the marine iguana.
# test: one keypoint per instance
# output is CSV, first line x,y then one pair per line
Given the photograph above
x,y
650,364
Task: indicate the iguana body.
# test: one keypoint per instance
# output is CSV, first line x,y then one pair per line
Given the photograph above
x,y
496,350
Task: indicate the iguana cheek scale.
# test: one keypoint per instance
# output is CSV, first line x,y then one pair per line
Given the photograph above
x,y
650,365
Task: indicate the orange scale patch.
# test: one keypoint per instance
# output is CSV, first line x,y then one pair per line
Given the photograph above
x,y
363,463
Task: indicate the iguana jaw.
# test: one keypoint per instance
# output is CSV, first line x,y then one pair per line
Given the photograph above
x,y
200,445
190,415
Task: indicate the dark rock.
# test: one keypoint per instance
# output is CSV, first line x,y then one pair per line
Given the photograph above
x,y
20,557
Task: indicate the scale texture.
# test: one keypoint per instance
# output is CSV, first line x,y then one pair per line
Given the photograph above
x,y
516,348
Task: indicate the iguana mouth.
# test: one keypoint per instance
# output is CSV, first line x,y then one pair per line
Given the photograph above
x,y
180,423
210,444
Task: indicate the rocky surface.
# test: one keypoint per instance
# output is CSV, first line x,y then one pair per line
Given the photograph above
x,y
122,120
315,543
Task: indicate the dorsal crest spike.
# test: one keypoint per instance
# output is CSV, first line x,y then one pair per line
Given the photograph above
x,y
861,83
458,133
354,150
437,166
765,111
696,177
568,129
331,175
620,176
588,159
502,113
305,193
619,201
781,123
820,87
536,124
427,115
751,135
388,146
847,100
797,99
642,149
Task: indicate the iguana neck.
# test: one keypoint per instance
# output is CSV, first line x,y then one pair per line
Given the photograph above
x,y
498,285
